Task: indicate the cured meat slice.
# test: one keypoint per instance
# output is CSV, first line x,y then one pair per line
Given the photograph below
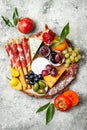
x,y
67,78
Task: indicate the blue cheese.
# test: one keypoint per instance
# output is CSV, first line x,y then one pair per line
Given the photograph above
x,y
34,43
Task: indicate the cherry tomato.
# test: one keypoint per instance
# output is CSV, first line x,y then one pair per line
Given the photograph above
x,y
62,103
25,25
73,96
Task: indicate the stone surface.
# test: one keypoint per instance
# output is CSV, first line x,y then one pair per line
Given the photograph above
x,y
17,110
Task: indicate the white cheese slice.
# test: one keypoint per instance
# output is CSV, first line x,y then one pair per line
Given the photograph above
x,y
34,43
39,64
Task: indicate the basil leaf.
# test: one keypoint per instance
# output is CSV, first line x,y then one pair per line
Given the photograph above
x,y
50,113
64,32
43,107
15,16
7,21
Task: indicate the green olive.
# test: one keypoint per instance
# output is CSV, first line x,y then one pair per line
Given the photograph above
x,y
42,84
41,91
36,87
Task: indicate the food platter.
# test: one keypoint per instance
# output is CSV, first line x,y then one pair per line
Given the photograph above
x,y
45,66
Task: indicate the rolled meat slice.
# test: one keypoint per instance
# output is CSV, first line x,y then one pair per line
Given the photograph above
x,y
21,56
18,63
26,51
67,78
10,55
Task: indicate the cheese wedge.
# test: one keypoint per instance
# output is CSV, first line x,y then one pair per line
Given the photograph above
x,y
34,43
50,80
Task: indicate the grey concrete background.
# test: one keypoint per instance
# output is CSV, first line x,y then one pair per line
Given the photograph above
x,y
17,110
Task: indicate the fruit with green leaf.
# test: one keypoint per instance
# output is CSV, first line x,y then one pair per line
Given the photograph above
x,y
60,43
25,25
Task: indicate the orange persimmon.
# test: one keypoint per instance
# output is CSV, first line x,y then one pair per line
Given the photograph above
x,y
62,46
73,96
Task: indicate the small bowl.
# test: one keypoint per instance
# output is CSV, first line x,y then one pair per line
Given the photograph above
x,y
46,89
46,48
56,64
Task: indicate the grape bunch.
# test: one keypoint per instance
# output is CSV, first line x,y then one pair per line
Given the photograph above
x,y
32,78
71,56
49,70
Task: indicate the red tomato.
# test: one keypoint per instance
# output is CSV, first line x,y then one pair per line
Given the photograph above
x,y
73,96
25,25
62,103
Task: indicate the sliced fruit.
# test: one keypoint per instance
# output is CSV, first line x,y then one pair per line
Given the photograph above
x,y
48,35
73,96
14,72
62,103
62,46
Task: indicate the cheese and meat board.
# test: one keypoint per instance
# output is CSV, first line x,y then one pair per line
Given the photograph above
x,y
46,63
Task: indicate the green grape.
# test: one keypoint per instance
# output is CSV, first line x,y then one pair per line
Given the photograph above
x,y
76,59
72,59
68,61
74,54
79,56
66,65
66,55
64,52
70,49
76,50
70,53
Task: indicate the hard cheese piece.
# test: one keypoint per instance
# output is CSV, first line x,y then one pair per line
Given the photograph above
x,y
34,43
50,80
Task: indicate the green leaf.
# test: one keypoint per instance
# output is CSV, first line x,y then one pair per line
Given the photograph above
x,y
43,107
7,21
15,16
64,32
50,113
55,44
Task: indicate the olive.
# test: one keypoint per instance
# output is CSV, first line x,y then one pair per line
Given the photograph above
x,y
26,76
35,87
41,91
30,82
40,76
42,84
36,79
31,72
